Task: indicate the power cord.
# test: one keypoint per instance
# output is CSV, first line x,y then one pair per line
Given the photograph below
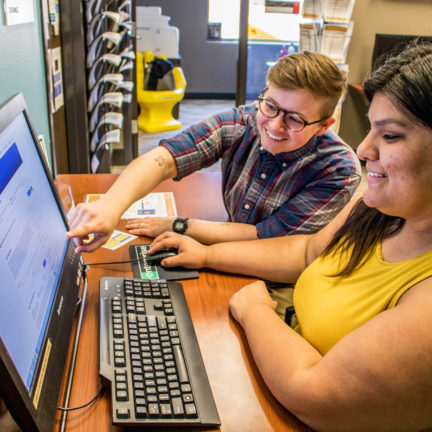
x,y
114,262
91,401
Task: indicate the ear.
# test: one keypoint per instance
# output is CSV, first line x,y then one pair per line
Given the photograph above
x,y
325,125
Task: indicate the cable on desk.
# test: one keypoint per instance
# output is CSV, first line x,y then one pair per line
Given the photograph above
x,y
68,389
114,262
91,401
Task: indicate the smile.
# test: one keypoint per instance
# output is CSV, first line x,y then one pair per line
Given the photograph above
x,y
273,136
376,175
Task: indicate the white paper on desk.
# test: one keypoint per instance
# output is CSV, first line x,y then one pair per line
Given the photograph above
x,y
118,239
155,204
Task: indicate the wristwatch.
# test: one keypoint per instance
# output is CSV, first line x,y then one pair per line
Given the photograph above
x,y
180,225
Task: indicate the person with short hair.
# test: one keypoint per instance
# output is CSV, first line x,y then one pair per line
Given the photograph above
x,y
360,357
283,170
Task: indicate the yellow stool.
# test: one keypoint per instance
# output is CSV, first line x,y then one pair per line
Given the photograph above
x,y
156,105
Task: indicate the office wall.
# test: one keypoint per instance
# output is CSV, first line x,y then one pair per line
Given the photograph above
x,y
209,67
410,17
22,69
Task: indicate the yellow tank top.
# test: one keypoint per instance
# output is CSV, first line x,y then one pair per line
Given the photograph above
x,y
328,308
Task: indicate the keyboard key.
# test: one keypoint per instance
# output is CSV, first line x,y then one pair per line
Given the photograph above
x,y
181,366
122,395
190,410
141,411
165,409
178,409
187,397
122,413
153,409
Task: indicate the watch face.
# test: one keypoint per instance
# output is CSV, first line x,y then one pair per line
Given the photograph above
x,y
180,226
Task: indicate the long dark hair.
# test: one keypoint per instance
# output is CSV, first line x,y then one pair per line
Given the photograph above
x,y
407,80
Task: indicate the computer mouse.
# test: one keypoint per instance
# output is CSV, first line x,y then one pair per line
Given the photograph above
x,y
157,257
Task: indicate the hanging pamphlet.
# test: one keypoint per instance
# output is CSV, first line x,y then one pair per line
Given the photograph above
x,y
288,7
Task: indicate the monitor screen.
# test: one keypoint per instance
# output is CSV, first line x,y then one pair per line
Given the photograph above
x,y
32,247
388,44
40,275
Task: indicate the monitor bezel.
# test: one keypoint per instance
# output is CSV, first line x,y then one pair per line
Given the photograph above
x,y
35,409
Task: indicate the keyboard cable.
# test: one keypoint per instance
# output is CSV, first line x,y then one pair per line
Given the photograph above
x,y
65,408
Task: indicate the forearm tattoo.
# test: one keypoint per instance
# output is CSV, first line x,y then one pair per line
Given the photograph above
x,y
160,160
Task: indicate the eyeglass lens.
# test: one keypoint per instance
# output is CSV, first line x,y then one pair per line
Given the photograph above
x,y
292,121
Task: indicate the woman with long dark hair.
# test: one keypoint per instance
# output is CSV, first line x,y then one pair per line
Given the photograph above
x,y
360,358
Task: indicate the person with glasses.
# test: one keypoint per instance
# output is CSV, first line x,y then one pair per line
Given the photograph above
x,y
360,357
283,171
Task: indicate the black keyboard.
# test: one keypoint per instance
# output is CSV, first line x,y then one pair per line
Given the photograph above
x,y
149,354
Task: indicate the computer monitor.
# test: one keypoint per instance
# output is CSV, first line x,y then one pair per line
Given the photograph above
x,y
40,276
387,44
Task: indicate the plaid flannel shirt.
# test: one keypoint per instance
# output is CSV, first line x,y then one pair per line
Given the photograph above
x,y
294,192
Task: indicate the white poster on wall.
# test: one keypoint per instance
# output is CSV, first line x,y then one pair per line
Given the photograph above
x,y
18,12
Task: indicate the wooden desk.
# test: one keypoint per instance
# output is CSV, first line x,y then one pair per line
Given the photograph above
x,y
243,401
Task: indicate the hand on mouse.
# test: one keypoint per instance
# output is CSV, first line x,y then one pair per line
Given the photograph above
x,y
191,254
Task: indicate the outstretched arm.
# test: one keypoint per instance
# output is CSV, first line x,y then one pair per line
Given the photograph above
x,y
279,259
138,179
205,232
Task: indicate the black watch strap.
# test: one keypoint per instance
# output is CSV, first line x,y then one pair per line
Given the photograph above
x,y
180,225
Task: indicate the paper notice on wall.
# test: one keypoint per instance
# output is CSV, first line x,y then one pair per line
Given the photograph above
x,y
56,78
18,12
54,15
